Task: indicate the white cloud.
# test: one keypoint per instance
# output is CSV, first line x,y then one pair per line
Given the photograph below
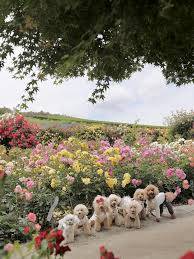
x,y
145,96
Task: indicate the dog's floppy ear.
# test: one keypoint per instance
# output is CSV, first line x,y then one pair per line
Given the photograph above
x,y
74,210
118,199
145,192
76,220
156,190
86,210
135,194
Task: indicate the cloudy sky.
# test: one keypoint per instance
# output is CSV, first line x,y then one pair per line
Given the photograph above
x,y
144,97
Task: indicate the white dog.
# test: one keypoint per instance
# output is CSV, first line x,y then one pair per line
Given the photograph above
x,y
101,217
132,219
114,210
68,225
153,200
83,224
124,204
139,195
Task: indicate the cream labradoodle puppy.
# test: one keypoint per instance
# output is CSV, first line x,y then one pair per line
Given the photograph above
x,y
139,195
154,200
101,217
83,224
132,219
68,226
115,214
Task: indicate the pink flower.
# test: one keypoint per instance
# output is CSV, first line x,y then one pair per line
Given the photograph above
x,y
69,178
28,196
136,182
186,184
8,247
190,202
18,189
30,184
31,217
180,174
178,190
23,179
37,227
110,172
170,172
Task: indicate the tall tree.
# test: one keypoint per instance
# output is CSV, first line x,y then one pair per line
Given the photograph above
x,y
107,40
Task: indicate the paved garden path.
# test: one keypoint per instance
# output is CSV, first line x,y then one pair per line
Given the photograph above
x,y
165,240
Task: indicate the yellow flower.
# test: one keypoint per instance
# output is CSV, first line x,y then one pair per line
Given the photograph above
x,y
54,183
86,181
65,153
127,176
111,182
100,171
118,158
51,171
64,189
98,164
76,167
117,150
126,179
108,151
106,174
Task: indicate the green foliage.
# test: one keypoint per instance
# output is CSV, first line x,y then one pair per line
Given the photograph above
x,y
104,40
181,124
4,110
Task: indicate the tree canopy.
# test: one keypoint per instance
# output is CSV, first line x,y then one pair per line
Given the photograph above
x,y
106,40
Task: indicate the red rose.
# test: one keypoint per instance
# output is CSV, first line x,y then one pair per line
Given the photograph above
x,y
38,241
188,255
26,230
42,234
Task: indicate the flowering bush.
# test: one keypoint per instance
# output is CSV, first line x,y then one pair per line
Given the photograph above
x,y
188,255
181,123
46,244
76,170
16,131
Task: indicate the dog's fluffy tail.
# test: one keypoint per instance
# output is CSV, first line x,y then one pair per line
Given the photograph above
x,y
171,196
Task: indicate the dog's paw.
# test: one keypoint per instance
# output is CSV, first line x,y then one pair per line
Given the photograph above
x,y
157,220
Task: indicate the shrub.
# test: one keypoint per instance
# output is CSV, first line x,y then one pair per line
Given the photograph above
x,y
181,124
57,135
75,171
4,110
16,131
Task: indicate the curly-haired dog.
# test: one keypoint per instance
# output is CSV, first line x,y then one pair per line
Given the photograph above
x,y
101,216
132,219
68,226
139,195
83,224
155,201
114,210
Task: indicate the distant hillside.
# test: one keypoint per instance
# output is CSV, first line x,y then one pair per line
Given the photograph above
x,y
46,119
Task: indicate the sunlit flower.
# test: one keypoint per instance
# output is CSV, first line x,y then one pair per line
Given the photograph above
x,y
31,217
54,183
186,184
111,182
170,172
86,181
100,172
37,227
